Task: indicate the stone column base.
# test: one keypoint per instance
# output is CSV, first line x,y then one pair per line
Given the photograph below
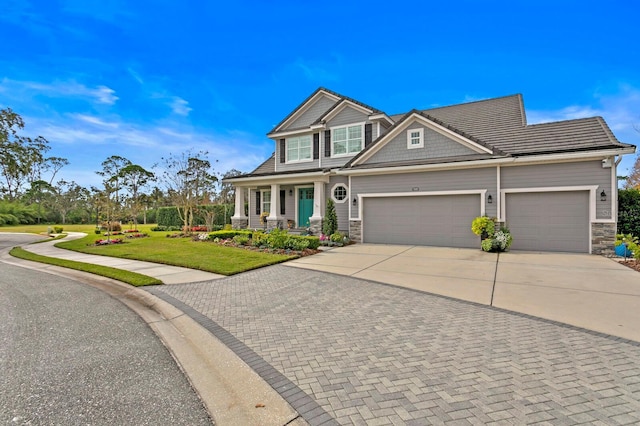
x,y
355,231
240,222
275,223
315,226
603,238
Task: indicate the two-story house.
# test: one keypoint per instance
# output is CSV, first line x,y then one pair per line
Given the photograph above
x,y
422,176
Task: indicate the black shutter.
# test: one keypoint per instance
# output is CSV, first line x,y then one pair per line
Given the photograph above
x,y
327,143
258,202
368,136
282,201
282,151
316,146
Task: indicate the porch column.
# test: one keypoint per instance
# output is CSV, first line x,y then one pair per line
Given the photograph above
x,y
239,211
274,220
315,221
239,220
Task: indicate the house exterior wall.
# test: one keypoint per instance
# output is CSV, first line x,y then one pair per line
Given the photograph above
x,y
302,165
342,209
445,180
321,106
436,145
562,175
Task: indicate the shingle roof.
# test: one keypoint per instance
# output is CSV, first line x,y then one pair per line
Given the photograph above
x,y
269,166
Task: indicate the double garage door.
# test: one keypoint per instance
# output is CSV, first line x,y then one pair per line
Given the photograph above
x,y
538,221
443,220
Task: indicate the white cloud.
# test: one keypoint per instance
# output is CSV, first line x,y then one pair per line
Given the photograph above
x,y
57,89
180,106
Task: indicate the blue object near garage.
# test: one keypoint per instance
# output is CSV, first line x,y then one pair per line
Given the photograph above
x,y
621,249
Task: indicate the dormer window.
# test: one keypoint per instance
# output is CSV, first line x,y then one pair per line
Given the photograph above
x,y
299,149
346,140
415,138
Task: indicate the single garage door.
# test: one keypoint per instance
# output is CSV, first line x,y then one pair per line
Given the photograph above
x,y
549,221
443,220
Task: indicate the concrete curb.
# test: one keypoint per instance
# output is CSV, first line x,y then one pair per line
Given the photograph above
x,y
230,390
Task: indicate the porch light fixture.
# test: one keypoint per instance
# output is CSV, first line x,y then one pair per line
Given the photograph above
x,y
355,201
290,192
603,196
489,199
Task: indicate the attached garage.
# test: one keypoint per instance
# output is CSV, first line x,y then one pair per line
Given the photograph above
x,y
549,221
428,220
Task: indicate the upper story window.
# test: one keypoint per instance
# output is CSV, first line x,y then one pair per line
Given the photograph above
x,y
415,138
346,140
299,148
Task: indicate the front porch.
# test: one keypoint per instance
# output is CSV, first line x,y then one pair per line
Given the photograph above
x,y
294,205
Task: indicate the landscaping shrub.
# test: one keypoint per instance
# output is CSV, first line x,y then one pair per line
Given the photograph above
x,y
241,240
330,224
111,226
57,229
337,237
223,235
166,228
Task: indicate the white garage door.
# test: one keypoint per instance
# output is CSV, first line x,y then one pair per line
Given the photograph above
x,y
549,221
443,220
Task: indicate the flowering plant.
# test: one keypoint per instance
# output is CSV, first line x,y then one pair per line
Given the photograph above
x,y
500,241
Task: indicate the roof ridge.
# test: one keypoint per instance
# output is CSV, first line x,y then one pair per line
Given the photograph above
x,y
475,102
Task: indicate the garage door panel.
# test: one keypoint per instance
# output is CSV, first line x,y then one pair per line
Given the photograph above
x,y
549,221
422,220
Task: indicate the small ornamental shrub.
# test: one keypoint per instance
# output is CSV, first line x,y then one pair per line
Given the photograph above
x,y
223,235
111,226
108,242
330,223
97,231
57,229
483,225
241,240
337,237
499,241
314,242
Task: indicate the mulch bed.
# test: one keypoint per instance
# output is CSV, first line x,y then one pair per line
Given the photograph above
x,y
632,263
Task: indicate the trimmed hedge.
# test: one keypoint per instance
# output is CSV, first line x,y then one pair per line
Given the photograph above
x,y
224,235
274,239
169,216
629,212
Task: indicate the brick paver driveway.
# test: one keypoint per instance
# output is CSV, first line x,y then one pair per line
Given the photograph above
x,y
369,353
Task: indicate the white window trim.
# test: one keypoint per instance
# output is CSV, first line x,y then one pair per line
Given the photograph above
x,y
346,126
262,192
420,144
346,198
304,160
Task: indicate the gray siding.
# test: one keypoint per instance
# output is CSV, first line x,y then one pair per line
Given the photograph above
x,y
290,206
563,174
347,116
314,112
436,145
449,180
342,209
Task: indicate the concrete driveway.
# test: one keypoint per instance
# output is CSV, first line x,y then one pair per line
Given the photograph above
x,y
587,291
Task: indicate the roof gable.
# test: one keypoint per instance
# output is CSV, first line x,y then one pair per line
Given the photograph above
x,y
467,145
304,115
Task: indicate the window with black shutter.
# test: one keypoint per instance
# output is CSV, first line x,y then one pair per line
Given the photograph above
x,y
258,203
316,146
283,151
327,143
368,134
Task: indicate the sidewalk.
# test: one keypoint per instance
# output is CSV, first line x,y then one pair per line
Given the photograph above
x,y
165,273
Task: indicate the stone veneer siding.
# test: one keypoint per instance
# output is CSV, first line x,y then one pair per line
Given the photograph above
x,y
603,238
240,223
355,230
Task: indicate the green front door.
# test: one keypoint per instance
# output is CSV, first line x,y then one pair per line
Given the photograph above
x,y
305,206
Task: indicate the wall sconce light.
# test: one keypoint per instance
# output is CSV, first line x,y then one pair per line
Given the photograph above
x,y
355,201
489,199
603,196
290,192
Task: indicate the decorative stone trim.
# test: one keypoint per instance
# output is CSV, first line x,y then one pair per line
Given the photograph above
x,y
315,226
276,223
355,231
240,223
603,238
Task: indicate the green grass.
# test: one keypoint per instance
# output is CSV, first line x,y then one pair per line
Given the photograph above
x,y
132,278
157,248
204,256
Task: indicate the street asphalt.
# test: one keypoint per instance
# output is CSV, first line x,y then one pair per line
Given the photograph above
x,y
73,355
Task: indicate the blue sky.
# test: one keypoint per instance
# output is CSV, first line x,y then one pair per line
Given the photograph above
x,y
144,79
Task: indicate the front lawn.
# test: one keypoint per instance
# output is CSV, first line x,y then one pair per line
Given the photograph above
x,y
184,252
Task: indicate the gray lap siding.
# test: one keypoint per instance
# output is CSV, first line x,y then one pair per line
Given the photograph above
x,y
448,180
563,175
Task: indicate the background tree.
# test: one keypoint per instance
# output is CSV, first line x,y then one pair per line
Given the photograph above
x,y
112,180
189,181
21,158
134,178
40,195
68,197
